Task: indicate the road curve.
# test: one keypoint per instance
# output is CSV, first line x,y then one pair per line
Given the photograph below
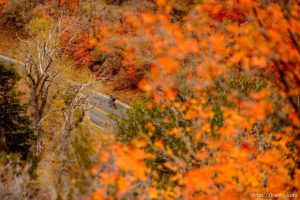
x,y
102,115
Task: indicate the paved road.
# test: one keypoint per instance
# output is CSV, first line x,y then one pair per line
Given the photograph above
x,y
8,60
101,114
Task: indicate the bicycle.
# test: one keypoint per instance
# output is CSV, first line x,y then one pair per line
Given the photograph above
x,y
111,102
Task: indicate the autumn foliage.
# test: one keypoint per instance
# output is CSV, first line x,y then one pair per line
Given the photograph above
x,y
240,62
220,112
2,3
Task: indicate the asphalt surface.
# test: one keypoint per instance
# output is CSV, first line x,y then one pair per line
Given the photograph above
x,y
104,115
101,114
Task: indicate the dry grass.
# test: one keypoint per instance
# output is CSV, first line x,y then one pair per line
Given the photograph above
x,y
125,95
83,75
9,41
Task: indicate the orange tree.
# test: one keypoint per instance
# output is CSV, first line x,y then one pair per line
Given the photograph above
x,y
221,119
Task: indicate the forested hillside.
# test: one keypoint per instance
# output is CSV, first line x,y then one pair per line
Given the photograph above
x,y
149,99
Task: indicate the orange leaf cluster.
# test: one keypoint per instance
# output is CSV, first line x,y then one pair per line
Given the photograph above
x,y
242,114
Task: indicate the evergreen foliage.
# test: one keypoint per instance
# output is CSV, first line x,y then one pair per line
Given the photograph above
x,y
16,135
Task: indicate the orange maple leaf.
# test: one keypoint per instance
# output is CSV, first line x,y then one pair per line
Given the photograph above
x,y
169,65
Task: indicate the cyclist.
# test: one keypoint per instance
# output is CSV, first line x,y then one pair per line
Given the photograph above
x,y
112,101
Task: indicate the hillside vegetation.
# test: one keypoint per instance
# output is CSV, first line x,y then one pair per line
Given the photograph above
x,y
213,86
